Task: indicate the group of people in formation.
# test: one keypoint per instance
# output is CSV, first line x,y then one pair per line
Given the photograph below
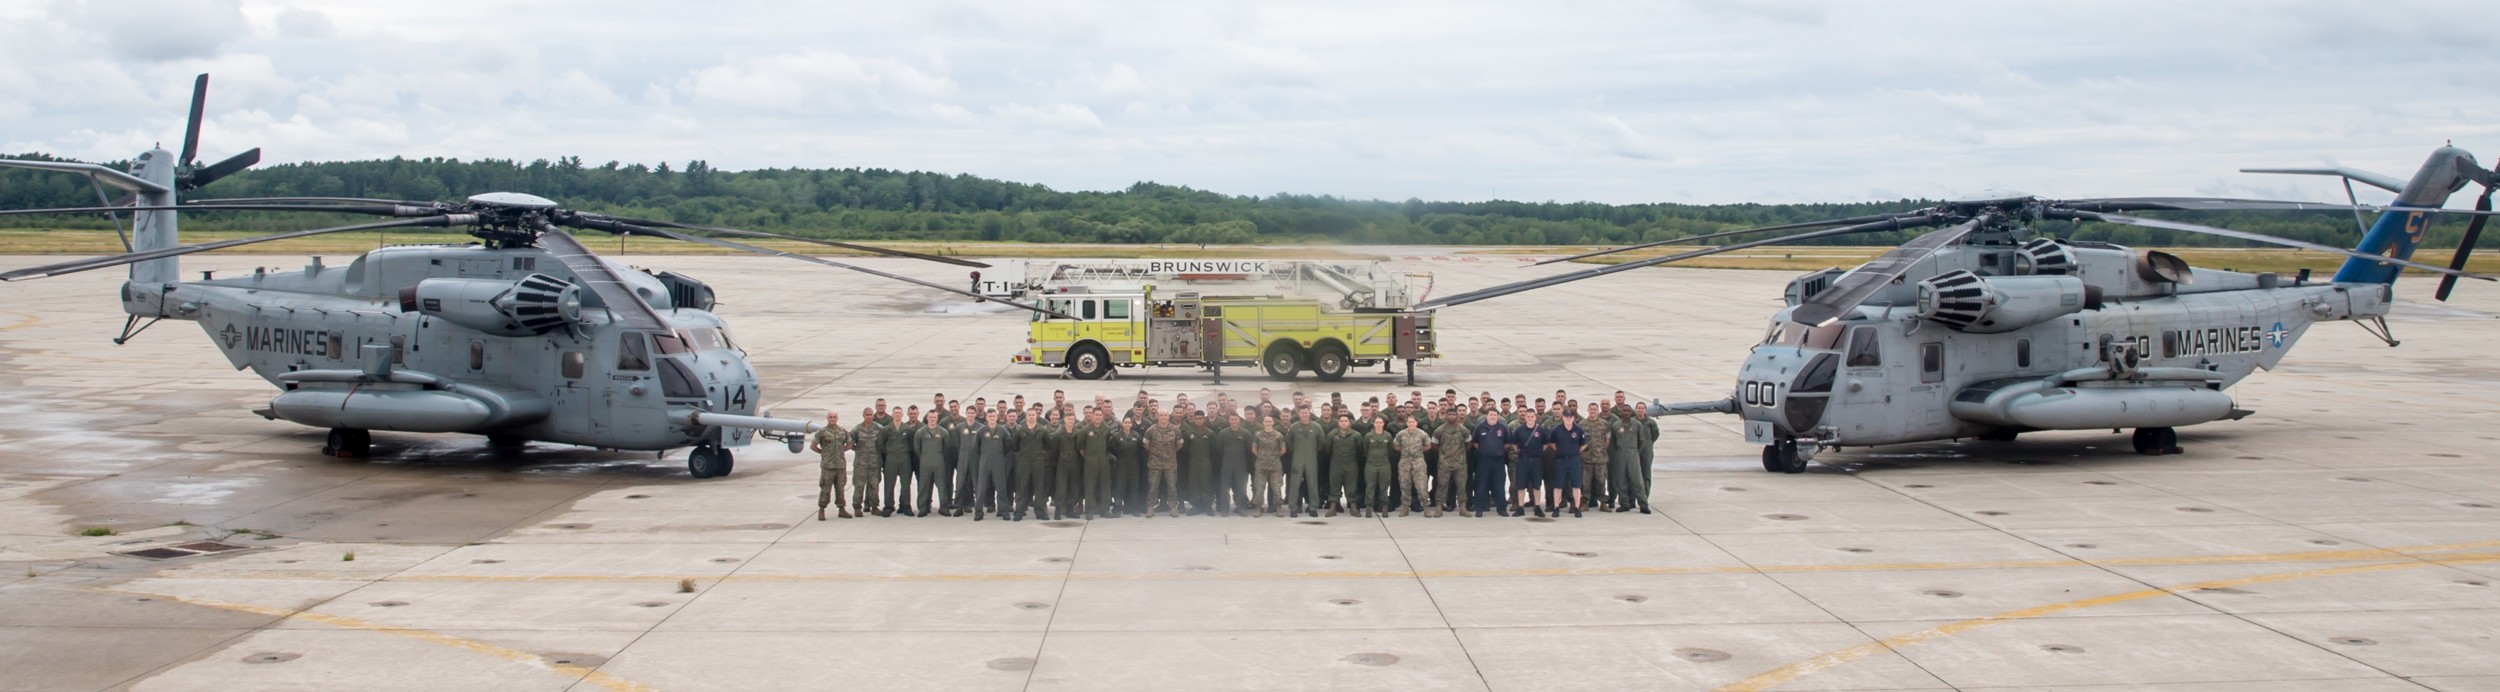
x,y
1061,459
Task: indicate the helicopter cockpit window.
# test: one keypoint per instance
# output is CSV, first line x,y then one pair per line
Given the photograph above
x,y
707,339
678,381
1826,337
633,353
670,344
1772,335
1864,350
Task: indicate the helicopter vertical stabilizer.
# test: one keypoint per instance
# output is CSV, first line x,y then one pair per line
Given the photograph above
x,y
2398,232
155,230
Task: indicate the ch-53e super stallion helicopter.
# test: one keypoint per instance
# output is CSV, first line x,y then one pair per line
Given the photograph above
x,y
524,336
1987,329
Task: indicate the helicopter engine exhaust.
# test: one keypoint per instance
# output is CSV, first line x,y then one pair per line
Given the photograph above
x,y
1967,302
534,305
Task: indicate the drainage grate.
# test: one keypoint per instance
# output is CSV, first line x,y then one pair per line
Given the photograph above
x,y
160,553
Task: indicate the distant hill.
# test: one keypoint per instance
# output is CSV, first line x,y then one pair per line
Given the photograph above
x,y
880,204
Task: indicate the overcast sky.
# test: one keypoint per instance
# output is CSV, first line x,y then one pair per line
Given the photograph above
x,y
1698,101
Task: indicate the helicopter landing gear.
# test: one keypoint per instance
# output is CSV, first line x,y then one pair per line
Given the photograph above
x,y
1783,457
347,443
708,461
2157,441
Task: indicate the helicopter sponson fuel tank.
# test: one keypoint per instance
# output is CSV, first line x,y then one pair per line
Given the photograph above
x,y
1970,303
382,397
534,305
2095,398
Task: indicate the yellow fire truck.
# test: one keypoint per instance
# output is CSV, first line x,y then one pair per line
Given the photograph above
x,y
1283,335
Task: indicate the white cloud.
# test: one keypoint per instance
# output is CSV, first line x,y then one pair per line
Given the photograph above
x,y
1692,100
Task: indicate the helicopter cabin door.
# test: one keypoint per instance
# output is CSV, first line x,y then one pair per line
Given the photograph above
x,y
573,392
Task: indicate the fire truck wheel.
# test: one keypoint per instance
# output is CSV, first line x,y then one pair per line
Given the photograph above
x,y
1331,362
1283,362
1088,362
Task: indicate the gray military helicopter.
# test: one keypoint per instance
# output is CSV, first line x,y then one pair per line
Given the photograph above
x,y
523,336
1988,329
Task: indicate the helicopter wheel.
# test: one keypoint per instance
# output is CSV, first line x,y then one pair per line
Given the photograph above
x,y
1782,457
2157,441
347,443
706,461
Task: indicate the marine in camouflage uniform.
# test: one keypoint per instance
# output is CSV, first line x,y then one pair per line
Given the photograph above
x,y
1595,458
1163,463
867,444
1411,443
832,470
1449,481
1267,468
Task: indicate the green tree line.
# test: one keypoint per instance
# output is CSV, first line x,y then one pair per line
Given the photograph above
x,y
881,204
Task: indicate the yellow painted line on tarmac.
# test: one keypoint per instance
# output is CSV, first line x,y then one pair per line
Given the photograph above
x,y
1833,659
28,320
2350,555
585,674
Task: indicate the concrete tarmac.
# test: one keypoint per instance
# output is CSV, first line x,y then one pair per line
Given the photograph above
x,y
2347,537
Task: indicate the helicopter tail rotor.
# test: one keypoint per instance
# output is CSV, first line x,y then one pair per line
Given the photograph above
x,y
193,175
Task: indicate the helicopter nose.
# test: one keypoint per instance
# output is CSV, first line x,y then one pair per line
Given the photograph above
x,y
1787,387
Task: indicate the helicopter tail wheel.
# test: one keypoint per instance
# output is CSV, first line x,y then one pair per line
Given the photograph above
x,y
347,443
1089,362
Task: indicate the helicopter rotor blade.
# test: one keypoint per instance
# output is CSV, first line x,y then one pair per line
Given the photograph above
x,y
1888,224
232,165
2465,245
309,200
2121,204
615,226
129,257
373,210
1722,234
602,280
830,243
2079,215
1860,284
191,129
